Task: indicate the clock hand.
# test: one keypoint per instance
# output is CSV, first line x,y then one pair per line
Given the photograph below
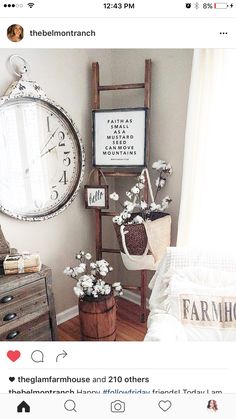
x,y
48,151
49,140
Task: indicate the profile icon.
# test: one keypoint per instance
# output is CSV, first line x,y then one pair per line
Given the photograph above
x,y
212,405
15,33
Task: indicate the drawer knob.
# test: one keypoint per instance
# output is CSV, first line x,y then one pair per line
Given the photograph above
x,y
9,316
13,335
6,299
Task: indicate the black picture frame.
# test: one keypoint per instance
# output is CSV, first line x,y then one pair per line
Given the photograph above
x,y
104,189
131,142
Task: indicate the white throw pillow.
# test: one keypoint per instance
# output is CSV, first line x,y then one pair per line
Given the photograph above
x,y
203,300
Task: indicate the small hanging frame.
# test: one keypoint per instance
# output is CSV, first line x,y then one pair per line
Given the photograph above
x,y
96,196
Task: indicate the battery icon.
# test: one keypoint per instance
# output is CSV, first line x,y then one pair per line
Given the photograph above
x,y
220,5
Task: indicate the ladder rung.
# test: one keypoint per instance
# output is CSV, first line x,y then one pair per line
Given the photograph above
x,y
108,213
122,86
128,287
104,250
124,174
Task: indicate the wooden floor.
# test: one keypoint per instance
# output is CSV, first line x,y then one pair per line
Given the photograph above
x,y
129,327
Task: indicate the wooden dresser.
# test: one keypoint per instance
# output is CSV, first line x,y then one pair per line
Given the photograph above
x,y
27,310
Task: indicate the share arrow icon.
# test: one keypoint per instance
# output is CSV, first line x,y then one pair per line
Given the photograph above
x,y
63,355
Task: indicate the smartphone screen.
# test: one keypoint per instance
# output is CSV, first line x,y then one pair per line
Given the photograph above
x,y
117,209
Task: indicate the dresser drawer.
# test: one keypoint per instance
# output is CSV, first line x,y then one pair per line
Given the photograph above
x,y
27,311
22,301
28,329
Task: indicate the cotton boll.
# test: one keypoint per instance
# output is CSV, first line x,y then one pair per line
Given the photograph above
x,y
135,190
114,196
138,220
78,292
68,271
143,205
159,165
116,284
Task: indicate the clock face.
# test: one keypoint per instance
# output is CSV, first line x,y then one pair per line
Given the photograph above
x,y
41,159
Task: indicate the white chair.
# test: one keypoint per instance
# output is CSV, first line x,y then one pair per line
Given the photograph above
x,y
193,297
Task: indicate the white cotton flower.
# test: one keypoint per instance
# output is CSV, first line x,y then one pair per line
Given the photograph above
x,y
135,190
137,220
141,186
129,205
129,194
114,196
68,271
78,256
169,168
80,269
89,291
143,205
157,182
160,183
88,256
78,292
165,203
103,273
86,281
159,165
141,178
117,220
93,265
124,215
102,262
111,268
155,207
107,291
116,284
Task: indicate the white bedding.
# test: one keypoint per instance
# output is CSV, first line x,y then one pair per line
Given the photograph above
x,y
190,292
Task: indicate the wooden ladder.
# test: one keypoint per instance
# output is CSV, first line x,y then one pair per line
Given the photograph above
x,y
96,89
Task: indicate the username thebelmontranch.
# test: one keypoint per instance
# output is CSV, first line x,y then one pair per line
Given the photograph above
x,y
54,33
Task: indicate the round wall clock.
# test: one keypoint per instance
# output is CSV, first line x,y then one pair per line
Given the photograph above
x,y
41,153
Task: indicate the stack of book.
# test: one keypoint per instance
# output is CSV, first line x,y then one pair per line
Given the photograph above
x,y
20,263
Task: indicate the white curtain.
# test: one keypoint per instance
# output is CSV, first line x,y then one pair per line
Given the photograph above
x,y
208,202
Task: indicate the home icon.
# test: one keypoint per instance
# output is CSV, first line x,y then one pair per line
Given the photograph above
x,y
23,407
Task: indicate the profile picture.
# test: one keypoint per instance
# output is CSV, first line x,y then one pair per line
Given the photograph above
x,y
15,33
212,405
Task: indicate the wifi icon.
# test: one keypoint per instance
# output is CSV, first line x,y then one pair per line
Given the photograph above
x,y
31,5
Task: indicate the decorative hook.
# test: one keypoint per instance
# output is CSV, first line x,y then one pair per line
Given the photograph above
x,y
18,65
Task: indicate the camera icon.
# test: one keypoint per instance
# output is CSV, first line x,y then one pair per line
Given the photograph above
x,y
188,5
118,406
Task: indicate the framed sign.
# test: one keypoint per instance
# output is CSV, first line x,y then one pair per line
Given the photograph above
x,y
119,137
96,196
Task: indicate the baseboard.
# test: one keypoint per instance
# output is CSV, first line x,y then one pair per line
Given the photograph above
x,y
73,311
133,297
67,314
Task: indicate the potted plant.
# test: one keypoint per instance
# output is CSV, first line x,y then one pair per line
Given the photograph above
x,y
97,306
143,227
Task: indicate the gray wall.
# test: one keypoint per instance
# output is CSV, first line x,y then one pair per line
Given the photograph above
x,y
66,77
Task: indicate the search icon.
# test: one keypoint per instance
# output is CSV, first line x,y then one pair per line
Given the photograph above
x,y
70,405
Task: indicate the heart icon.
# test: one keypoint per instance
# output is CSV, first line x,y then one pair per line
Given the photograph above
x,y
165,405
12,379
13,355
